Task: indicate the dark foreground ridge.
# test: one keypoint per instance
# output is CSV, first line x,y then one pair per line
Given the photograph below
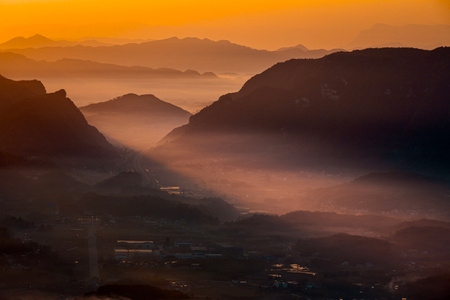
x,y
374,107
36,123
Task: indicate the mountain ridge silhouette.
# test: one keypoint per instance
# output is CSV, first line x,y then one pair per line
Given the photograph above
x,y
376,106
34,123
187,53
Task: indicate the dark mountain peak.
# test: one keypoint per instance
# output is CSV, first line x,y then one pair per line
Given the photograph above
x,y
224,42
135,121
145,96
15,39
336,66
386,106
34,85
210,74
129,95
298,47
169,41
36,40
61,93
173,38
134,98
192,72
186,41
39,38
196,39
39,124
135,104
12,91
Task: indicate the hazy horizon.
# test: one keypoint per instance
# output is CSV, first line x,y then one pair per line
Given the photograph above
x,y
257,24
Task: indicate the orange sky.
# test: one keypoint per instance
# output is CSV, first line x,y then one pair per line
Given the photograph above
x,y
257,23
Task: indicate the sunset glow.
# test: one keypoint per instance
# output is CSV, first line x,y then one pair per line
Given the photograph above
x,y
263,24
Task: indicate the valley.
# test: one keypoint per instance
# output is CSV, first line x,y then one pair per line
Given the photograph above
x,y
190,168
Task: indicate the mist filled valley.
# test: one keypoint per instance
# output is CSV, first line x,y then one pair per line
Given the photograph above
x,y
191,168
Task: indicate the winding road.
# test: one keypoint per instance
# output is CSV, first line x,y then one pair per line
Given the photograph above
x,y
139,168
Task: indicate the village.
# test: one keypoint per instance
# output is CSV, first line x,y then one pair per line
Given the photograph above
x,y
200,261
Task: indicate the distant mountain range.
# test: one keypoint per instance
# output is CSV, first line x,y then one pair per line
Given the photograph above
x,y
19,66
206,55
418,36
375,108
34,123
38,41
189,53
138,121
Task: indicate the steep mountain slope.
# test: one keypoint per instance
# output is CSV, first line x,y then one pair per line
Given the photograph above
x,y
371,108
137,121
33,123
188,53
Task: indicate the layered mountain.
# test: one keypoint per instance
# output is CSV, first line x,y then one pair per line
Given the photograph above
x,y
188,53
38,41
300,51
375,108
19,66
419,36
34,123
19,42
137,121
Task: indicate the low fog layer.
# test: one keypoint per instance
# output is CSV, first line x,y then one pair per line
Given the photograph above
x,y
133,121
89,82
311,123
258,173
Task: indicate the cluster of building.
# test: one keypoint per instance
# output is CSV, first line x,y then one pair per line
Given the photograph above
x,y
132,251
